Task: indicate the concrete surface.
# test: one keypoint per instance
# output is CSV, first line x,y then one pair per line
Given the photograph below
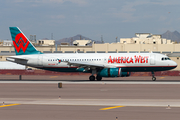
x,y
79,99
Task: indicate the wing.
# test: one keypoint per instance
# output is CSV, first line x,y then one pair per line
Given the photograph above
x,y
173,54
88,65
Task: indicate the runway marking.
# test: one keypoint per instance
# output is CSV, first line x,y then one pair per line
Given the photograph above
x,y
9,105
108,108
53,77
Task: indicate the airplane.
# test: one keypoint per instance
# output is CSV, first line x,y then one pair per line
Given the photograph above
x,y
99,64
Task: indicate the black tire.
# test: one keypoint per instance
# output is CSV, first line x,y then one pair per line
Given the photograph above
x,y
92,78
153,78
98,78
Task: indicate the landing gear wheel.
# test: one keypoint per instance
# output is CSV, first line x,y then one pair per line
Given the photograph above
x,y
92,78
153,78
98,78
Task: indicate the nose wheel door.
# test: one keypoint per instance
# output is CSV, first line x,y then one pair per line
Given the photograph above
x,y
152,59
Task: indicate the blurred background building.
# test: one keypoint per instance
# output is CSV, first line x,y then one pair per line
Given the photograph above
x,y
141,43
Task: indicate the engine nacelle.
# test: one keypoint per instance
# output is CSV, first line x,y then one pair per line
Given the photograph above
x,y
110,72
113,72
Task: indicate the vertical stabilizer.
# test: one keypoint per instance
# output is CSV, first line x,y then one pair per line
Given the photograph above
x,y
21,43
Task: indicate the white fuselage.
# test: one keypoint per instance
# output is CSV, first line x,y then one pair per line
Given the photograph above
x,y
129,62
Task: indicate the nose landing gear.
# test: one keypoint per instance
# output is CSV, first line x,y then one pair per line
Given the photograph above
x,y
153,78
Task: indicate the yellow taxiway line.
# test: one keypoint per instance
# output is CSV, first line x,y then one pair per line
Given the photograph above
x,y
53,76
108,108
9,105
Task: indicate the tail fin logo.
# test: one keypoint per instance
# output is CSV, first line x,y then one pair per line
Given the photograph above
x,y
20,42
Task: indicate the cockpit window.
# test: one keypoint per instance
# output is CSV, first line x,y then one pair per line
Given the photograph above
x,y
165,58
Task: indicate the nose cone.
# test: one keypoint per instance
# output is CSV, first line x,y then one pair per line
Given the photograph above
x,y
173,64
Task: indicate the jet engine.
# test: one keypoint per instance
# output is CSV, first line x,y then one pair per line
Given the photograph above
x,y
112,72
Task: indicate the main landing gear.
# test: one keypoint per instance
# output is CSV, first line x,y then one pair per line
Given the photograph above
x,y
153,78
98,78
92,77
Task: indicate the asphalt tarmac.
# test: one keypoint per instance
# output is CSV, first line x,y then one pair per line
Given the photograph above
x,y
79,99
84,78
